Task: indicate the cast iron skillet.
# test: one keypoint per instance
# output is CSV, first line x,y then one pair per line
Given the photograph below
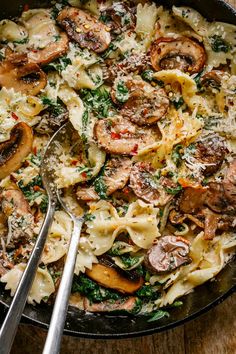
x,y
202,299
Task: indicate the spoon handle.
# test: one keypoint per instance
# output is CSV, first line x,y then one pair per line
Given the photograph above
x,y
53,341
10,324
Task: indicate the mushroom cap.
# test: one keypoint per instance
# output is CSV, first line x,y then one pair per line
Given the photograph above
x,y
14,150
85,29
17,73
146,186
53,51
229,183
168,254
121,137
177,53
116,175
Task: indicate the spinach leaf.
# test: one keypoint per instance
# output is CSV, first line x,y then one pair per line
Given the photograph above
x,y
157,315
129,261
148,292
174,191
178,102
55,107
218,44
92,290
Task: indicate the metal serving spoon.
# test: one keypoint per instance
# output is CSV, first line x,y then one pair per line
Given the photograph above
x,y
9,327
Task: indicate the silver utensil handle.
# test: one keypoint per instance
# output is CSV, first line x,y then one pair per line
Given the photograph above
x,y
53,341
10,324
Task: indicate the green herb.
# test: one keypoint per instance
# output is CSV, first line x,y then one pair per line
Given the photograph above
x,y
157,315
129,261
21,41
176,154
205,181
31,195
89,217
58,65
174,191
44,204
178,102
122,92
137,308
98,101
197,79
100,187
92,290
147,75
148,292
104,18
56,37
54,106
218,44
177,304
84,169
112,47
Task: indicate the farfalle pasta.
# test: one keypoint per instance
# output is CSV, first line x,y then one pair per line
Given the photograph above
x,y
150,160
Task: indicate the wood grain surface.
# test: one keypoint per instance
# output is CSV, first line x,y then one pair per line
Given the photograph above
x,y
212,333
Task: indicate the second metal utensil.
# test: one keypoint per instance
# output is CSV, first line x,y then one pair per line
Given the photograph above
x,y
53,341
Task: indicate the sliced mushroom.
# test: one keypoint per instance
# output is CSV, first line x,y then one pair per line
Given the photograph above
x,y
229,183
5,264
51,119
119,136
133,63
17,210
210,153
148,186
192,199
14,150
116,175
211,224
85,29
215,197
145,105
118,17
168,254
53,51
111,278
212,79
17,73
177,53
129,305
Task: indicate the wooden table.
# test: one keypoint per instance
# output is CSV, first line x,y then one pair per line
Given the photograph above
x,y
212,333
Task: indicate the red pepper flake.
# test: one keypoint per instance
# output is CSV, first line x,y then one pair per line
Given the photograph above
x,y
14,116
36,188
115,136
134,151
125,131
35,150
126,190
74,162
25,7
84,174
35,51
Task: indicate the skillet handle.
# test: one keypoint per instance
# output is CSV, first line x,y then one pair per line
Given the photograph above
x,y
55,332
11,322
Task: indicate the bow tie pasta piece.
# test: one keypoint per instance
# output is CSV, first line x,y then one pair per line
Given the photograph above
x,y
207,261
41,289
85,257
58,238
218,37
140,222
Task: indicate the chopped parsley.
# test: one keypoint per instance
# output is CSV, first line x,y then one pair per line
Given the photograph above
x,y
59,65
54,106
148,292
218,44
129,261
176,155
100,187
89,217
33,190
122,92
97,101
173,191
